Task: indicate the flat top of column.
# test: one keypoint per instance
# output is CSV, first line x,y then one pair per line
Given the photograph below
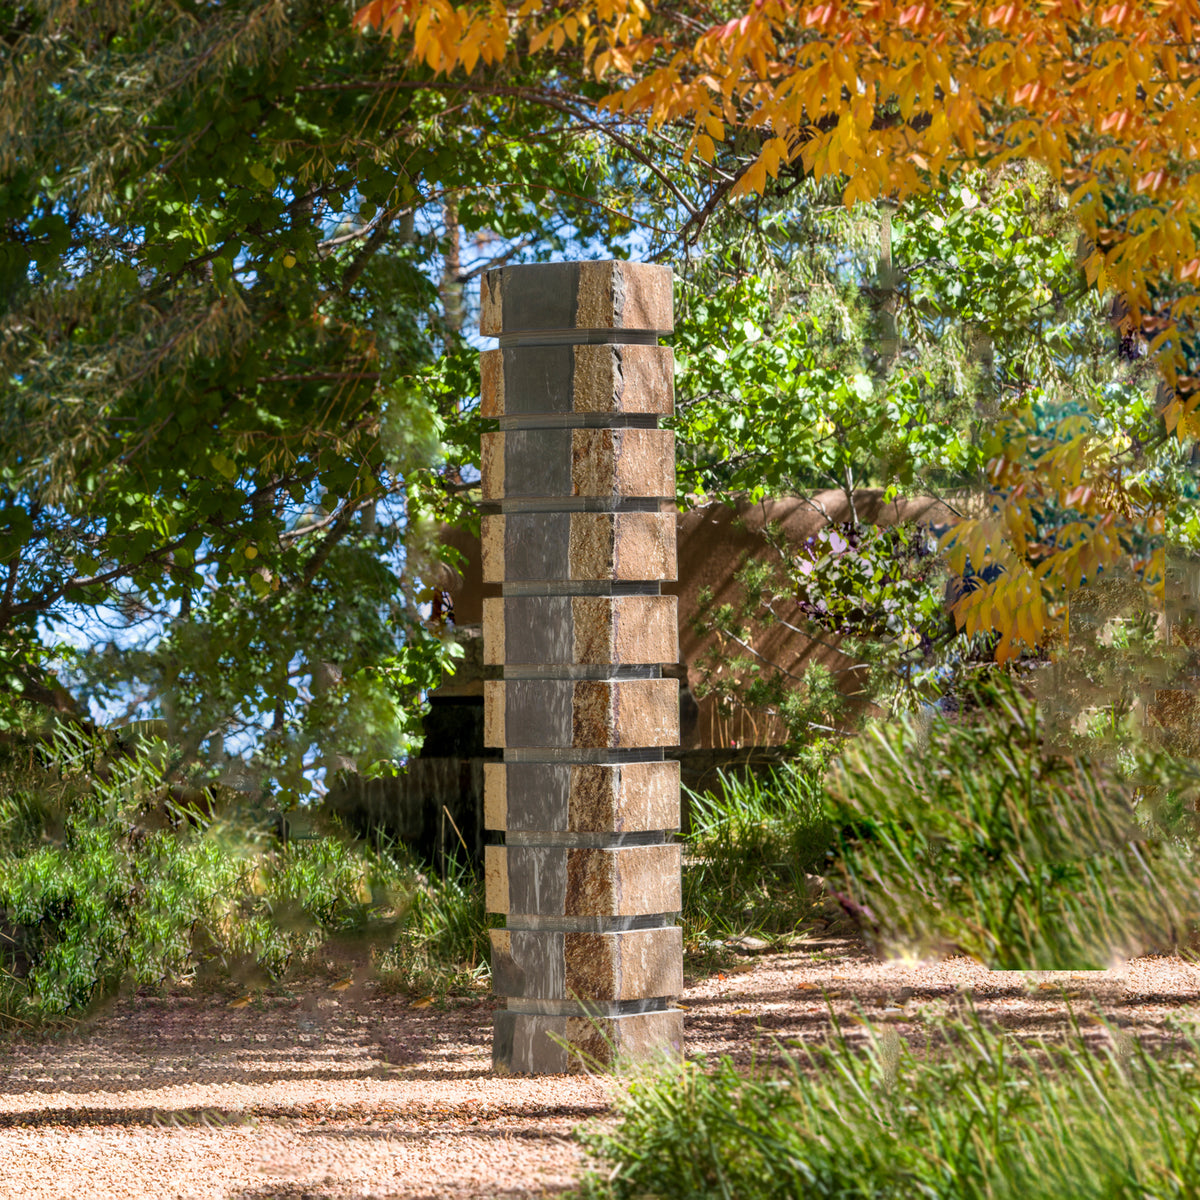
x,y
559,297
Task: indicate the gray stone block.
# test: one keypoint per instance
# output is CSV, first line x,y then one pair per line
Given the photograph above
x,y
585,546
581,630
589,798
611,378
553,297
537,879
581,714
636,964
561,464
525,1043
529,963
525,797
572,881
526,547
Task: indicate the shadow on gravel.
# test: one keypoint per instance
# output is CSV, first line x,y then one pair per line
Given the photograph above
x,y
325,1118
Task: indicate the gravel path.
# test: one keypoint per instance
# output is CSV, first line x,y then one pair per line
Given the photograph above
x,y
355,1094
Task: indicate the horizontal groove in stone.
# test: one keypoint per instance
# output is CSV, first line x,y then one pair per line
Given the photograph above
x,y
578,421
567,671
589,1008
654,837
557,504
582,587
605,755
591,924
581,337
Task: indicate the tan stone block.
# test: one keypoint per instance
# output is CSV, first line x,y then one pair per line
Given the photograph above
x,y
630,798
591,545
645,712
623,462
625,630
645,463
632,965
492,548
625,295
494,713
643,295
596,301
491,383
592,629
592,714
644,546
622,546
646,629
593,967
491,466
625,713
594,799
495,879
593,462
647,379
592,888
493,631
597,380
629,881
491,307
647,797
631,379
495,796
631,1039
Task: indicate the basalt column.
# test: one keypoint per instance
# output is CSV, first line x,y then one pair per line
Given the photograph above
x,y
581,534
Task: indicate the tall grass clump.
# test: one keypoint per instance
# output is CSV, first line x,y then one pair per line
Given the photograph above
x,y
969,835
107,884
980,1117
753,841
444,945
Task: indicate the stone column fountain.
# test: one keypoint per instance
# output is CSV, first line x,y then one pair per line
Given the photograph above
x,y
582,534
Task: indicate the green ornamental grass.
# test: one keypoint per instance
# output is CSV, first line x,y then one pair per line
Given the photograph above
x,y
753,842
974,1115
966,834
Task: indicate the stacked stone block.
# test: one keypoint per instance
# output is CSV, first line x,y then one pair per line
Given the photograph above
x,y
1176,710
581,535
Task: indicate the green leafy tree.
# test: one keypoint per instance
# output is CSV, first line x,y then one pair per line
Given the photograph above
x,y
237,396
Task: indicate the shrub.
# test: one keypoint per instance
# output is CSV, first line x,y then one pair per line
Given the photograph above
x,y
97,892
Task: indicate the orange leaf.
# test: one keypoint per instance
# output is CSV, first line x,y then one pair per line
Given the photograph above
x,y
370,14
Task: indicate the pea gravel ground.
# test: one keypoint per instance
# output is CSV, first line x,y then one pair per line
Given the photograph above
x,y
354,1093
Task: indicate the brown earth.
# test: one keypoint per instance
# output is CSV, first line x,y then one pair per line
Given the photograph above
x,y
356,1093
